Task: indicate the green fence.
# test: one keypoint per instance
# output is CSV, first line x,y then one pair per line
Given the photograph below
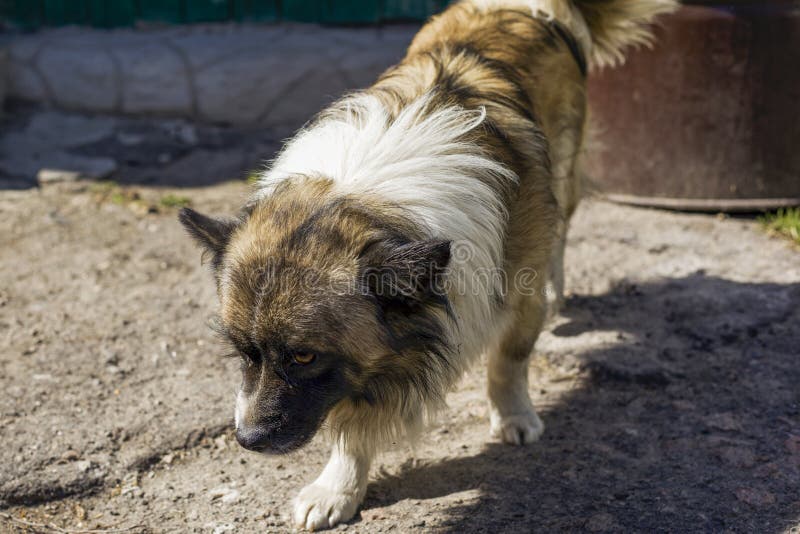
x,y
31,14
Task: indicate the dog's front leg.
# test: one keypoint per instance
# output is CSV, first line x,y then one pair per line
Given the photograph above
x,y
335,495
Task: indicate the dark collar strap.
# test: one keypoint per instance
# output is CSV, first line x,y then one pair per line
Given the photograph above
x,y
569,39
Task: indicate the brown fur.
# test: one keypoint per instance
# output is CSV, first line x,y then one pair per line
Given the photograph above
x,y
524,75
527,79
352,279
493,61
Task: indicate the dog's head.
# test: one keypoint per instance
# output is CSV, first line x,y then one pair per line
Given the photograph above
x,y
326,300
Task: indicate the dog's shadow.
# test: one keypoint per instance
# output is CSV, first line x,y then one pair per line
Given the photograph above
x,y
691,423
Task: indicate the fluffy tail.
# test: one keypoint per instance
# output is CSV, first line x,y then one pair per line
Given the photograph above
x,y
615,25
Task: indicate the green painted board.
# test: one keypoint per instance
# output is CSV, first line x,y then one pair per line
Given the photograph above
x,y
303,10
170,11
26,13
409,9
105,14
31,14
206,10
63,12
331,11
351,12
256,10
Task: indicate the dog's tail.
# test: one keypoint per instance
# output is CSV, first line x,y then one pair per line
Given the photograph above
x,y
614,25
604,28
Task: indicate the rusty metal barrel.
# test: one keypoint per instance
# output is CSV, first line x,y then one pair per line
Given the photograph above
x,y
708,119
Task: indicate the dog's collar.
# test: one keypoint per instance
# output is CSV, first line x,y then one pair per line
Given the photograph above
x,y
566,36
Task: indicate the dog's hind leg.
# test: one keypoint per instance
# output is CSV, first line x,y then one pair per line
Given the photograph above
x,y
336,494
511,413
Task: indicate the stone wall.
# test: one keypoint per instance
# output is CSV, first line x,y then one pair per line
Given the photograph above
x,y
236,74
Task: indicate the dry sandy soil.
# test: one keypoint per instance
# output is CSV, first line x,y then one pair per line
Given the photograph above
x,y
670,385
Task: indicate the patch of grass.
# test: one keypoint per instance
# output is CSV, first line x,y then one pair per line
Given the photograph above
x,y
104,187
118,197
785,222
174,201
109,191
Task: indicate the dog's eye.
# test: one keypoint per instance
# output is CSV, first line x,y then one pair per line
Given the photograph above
x,y
304,358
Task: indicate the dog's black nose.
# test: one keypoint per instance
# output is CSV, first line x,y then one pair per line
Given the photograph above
x,y
252,438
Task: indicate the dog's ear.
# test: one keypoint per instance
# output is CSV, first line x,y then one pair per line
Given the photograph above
x,y
212,234
406,274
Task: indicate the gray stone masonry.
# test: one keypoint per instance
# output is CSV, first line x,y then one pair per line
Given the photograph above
x,y
227,73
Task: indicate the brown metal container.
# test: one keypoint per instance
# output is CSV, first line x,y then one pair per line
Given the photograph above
x,y
709,119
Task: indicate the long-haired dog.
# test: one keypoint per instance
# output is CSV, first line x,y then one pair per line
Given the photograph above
x,y
410,228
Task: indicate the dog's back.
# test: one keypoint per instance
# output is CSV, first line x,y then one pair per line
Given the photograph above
x,y
525,59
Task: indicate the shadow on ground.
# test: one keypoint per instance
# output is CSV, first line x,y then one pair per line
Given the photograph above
x,y
691,423
129,150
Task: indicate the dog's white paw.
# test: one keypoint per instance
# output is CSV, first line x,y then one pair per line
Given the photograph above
x,y
319,507
519,429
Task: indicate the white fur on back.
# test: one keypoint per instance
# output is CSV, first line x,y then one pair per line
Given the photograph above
x,y
421,162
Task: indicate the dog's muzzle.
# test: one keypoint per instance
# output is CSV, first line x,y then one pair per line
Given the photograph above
x,y
253,438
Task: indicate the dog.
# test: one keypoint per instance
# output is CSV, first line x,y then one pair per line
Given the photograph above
x,y
409,229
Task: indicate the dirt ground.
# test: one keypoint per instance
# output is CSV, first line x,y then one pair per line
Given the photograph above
x,y
670,385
